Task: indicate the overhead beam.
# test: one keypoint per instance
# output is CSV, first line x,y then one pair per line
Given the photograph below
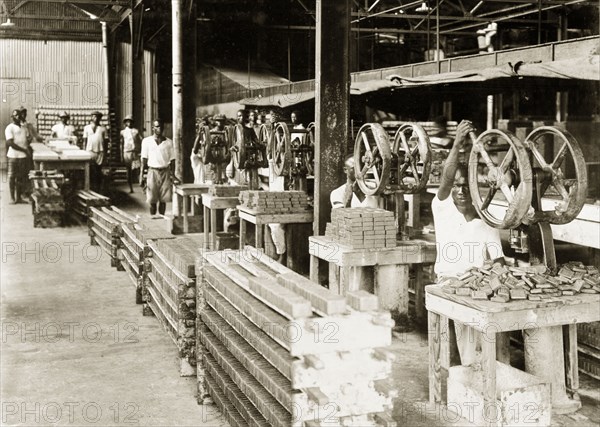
x,y
361,30
62,18
445,18
123,3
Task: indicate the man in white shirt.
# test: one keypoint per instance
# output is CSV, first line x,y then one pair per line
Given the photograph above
x,y
130,146
158,157
19,154
349,195
94,136
463,239
63,130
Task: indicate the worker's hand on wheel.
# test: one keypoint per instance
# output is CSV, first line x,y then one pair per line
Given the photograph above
x,y
462,132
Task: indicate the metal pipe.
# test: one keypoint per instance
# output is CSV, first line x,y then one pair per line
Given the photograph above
x,y
176,32
105,67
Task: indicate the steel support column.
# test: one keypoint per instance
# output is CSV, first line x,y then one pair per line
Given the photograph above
x,y
176,22
332,109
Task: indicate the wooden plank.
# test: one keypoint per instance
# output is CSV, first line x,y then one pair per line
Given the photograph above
x,y
391,287
435,377
321,298
571,357
281,218
488,365
516,315
279,298
213,202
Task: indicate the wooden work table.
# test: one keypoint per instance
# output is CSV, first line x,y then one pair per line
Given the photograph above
x,y
212,204
390,281
260,220
492,318
183,193
44,158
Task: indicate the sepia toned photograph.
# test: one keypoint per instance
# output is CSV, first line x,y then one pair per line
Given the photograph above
x,y
300,213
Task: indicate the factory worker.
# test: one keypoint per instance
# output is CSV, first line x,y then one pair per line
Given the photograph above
x,y
350,195
94,136
63,130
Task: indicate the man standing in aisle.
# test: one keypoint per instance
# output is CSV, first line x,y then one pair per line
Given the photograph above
x,y
158,157
93,140
19,155
130,148
29,126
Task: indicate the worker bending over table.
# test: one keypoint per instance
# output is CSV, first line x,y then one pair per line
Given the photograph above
x,y
463,239
158,158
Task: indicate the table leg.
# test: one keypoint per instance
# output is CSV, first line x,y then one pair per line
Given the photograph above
x,y
344,280
419,294
184,210
86,175
334,280
355,279
502,347
491,412
314,269
439,358
258,236
205,226
242,233
571,362
213,226
192,199
391,287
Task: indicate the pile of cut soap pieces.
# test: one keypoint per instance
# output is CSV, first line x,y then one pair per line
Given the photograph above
x,y
501,283
362,228
274,202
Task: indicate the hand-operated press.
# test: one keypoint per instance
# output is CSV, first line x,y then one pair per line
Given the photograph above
x,y
215,149
292,152
392,168
503,171
249,153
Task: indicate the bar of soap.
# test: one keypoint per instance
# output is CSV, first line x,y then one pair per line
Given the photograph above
x,y
448,289
518,294
588,291
536,291
500,298
495,283
534,297
479,295
463,292
568,293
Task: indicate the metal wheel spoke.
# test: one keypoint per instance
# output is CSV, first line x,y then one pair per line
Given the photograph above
x,y
508,158
486,158
365,169
366,142
489,197
560,157
538,156
506,191
561,189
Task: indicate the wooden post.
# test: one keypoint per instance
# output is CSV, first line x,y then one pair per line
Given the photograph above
x,y
332,109
177,85
188,126
137,69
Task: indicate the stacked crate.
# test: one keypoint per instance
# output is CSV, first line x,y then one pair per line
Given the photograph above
x,y
48,205
362,228
84,200
105,228
226,190
274,202
277,349
171,293
134,248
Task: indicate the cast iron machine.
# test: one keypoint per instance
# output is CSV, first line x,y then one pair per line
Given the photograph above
x,y
503,171
249,153
392,168
293,154
214,149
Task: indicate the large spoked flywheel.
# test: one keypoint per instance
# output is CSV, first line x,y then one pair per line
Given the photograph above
x,y
281,149
500,179
413,151
561,175
372,158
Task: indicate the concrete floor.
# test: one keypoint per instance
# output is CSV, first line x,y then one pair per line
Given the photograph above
x,y
76,350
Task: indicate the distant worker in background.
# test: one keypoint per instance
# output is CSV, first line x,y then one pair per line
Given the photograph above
x,y
63,130
438,134
350,195
130,145
17,141
33,134
158,158
94,136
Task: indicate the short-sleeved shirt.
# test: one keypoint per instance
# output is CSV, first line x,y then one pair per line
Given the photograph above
x,y
20,136
95,142
158,155
63,131
337,200
130,136
461,244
